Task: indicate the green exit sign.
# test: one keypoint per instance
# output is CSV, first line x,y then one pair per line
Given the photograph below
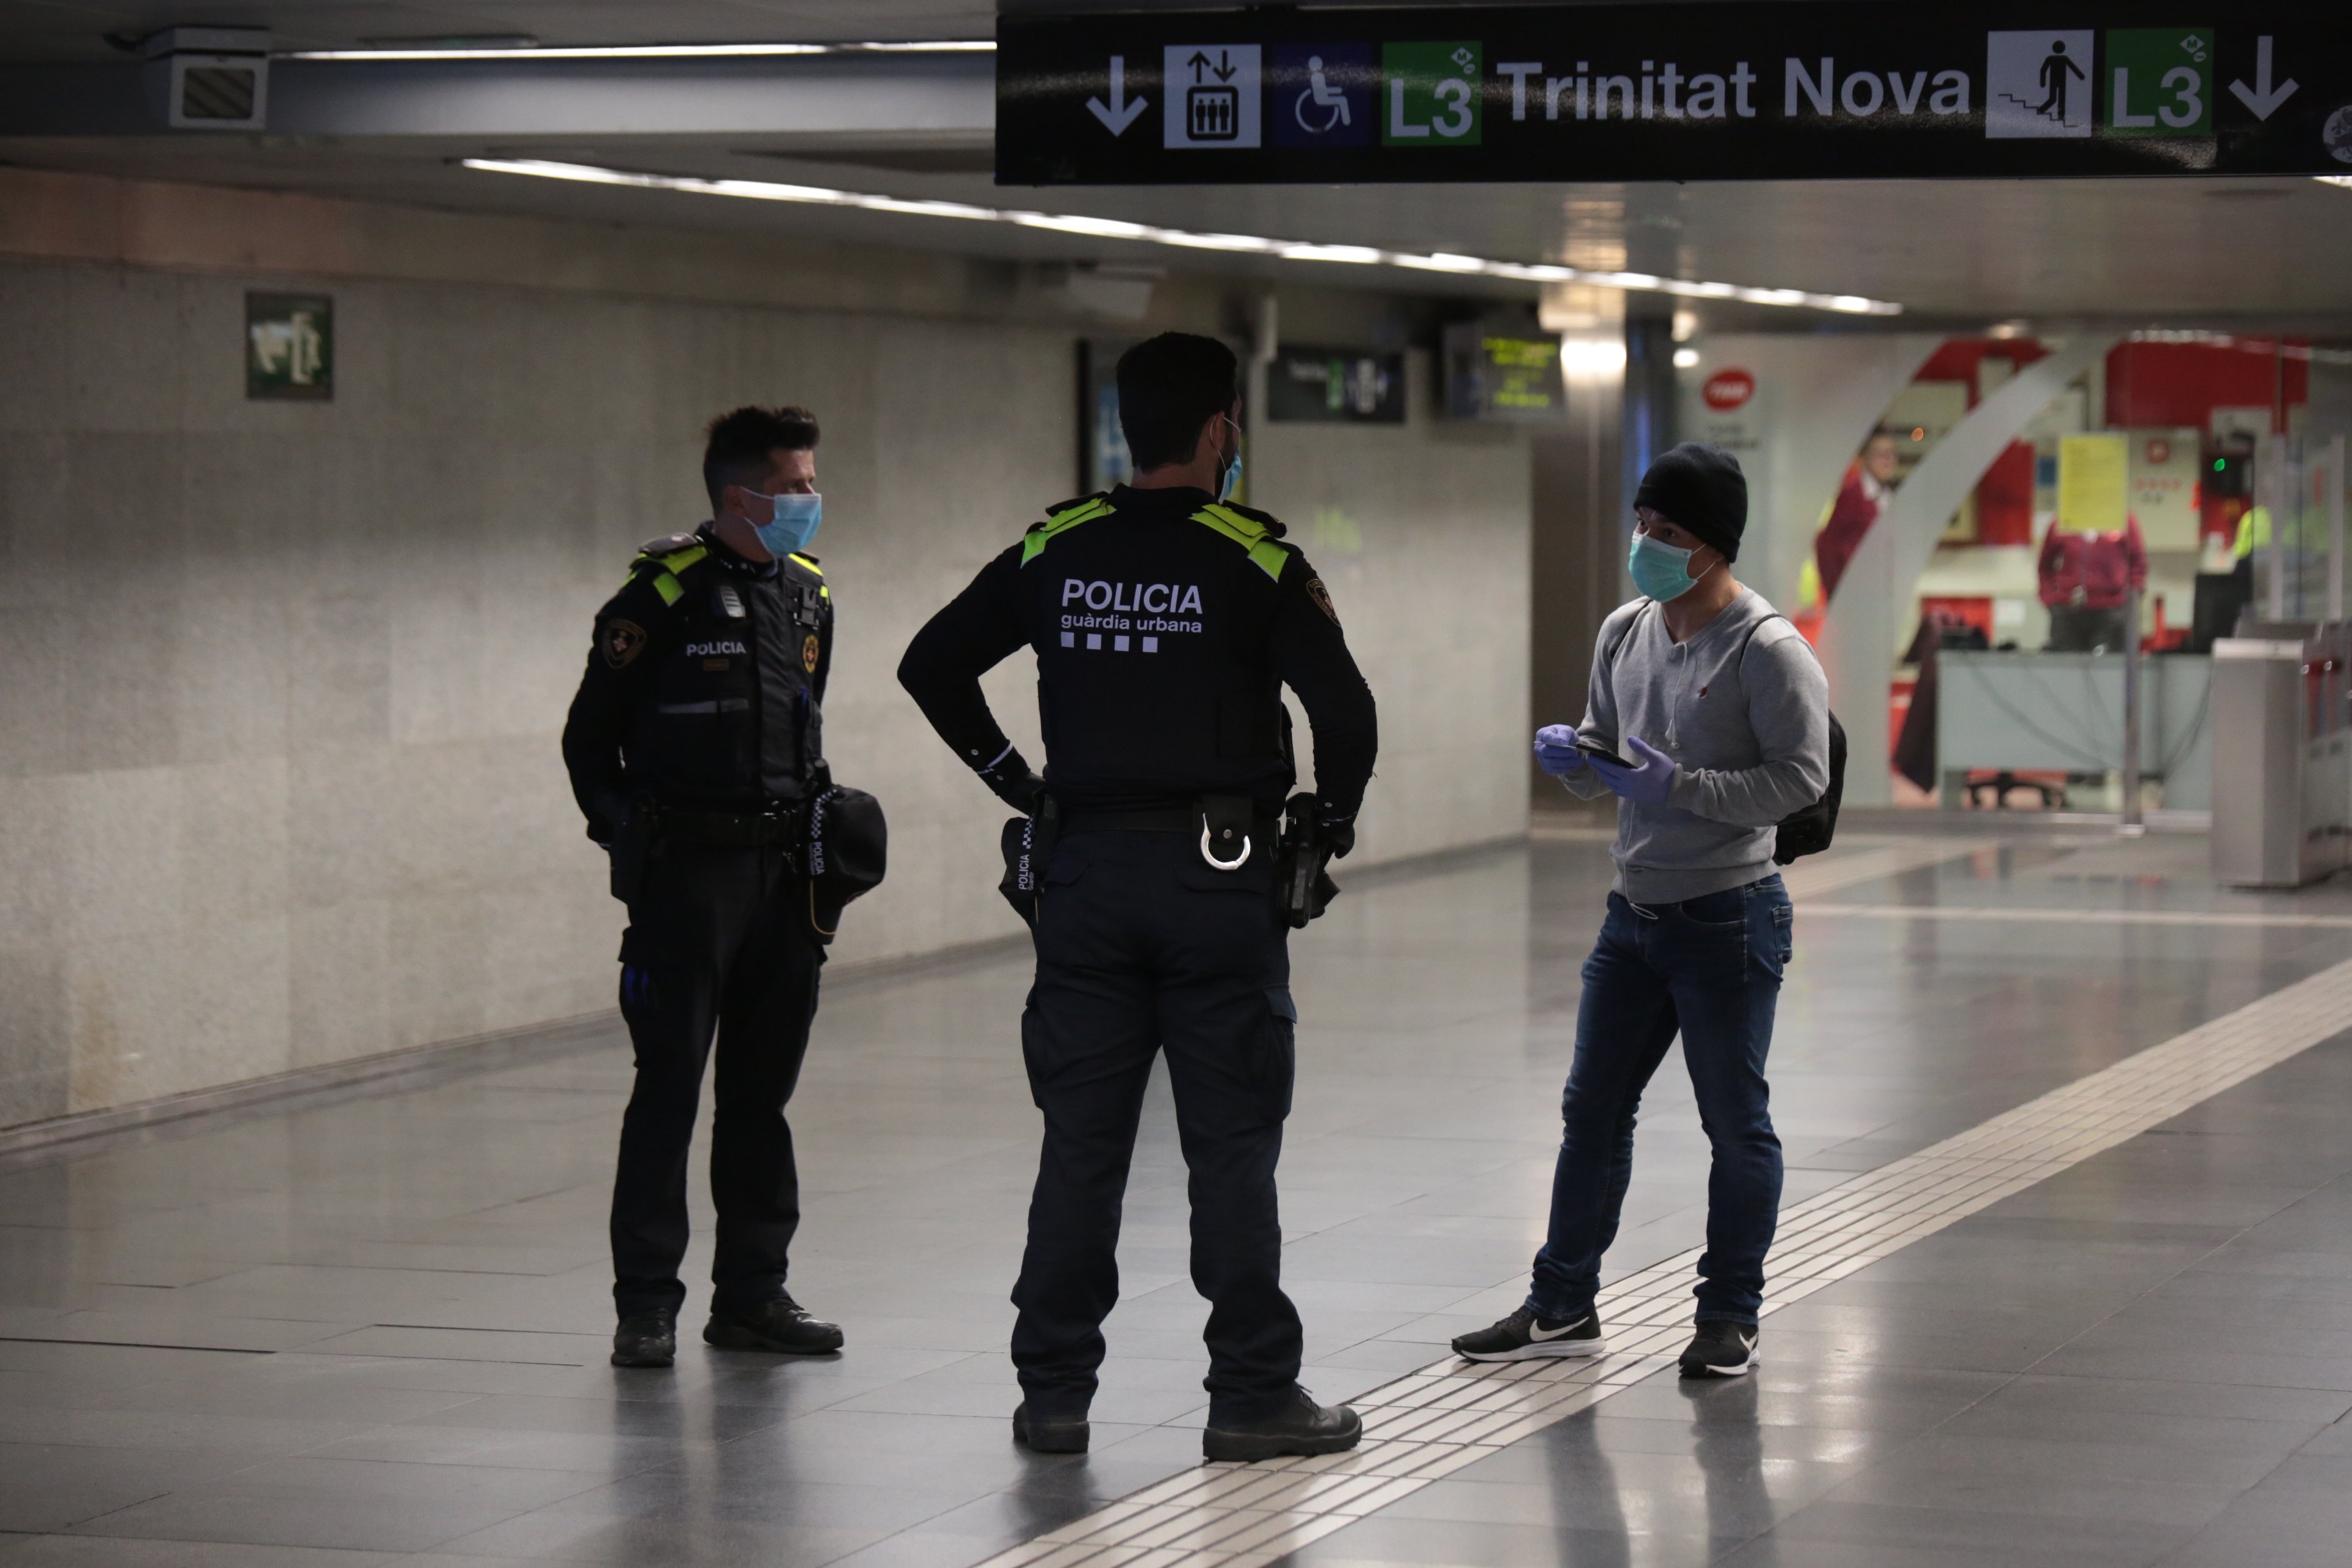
x,y
289,346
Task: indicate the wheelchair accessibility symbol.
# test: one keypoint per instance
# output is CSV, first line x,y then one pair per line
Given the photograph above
x,y
1320,101
1320,95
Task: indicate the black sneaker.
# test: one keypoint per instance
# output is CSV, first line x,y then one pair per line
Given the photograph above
x,y
1302,1427
1054,1436
1721,1350
646,1338
781,1325
1523,1336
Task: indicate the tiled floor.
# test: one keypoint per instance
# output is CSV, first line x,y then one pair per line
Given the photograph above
x,y
373,1331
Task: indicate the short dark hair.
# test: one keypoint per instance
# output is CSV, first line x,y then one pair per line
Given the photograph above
x,y
741,443
1167,388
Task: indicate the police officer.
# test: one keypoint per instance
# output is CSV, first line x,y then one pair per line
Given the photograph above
x,y
1165,622
695,740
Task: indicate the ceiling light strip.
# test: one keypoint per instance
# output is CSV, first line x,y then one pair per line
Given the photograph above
x,y
1154,234
646,51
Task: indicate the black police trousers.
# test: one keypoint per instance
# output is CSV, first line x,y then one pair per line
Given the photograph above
x,y
719,941
1142,947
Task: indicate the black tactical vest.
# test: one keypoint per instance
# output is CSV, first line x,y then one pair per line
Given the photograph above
x,y
729,716
1152,625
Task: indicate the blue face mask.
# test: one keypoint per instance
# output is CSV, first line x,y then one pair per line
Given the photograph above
x,y
793,525
1230,479
1660,571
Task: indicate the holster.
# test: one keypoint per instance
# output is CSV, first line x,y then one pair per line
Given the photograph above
x,y
633,847
1028,845
1303,886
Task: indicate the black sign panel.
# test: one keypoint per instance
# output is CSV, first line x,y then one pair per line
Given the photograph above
x,y
1341,385
1503,375
1681,93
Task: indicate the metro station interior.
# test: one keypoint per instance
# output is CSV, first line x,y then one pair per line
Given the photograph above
x,y
353,351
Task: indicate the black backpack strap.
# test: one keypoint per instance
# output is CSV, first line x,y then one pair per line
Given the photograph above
x,y
1760,625
1609,658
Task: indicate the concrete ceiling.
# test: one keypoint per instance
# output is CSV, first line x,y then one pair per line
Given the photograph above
x,y
2161,251
75,29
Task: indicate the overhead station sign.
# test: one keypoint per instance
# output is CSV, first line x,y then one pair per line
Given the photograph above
x,y
1800,91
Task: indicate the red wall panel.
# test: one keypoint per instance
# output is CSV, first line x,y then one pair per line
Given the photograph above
x,y
2183,384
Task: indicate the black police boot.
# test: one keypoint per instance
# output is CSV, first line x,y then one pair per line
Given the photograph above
x,y
1302,1427
646,1338
1049,1434
779,1325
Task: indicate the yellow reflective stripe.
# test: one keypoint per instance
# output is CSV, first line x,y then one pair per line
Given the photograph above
x,y
665,580
824,593
1251,535
809,563
1036,539
1231,524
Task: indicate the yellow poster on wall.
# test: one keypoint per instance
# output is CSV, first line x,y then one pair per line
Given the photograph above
x,y
2093,480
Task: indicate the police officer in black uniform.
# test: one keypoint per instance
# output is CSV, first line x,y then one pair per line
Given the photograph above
x,y
1165,624
695,741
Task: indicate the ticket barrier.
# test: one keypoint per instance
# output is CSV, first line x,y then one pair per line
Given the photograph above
x,y
2281,727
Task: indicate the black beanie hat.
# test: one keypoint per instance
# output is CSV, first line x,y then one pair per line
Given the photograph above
x,y
1700,489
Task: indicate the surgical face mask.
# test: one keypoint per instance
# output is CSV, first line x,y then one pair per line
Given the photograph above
x,y
1229,477
791,526
1659,570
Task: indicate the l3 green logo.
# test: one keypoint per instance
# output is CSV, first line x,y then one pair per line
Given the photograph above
x,y
2159,81
1432,97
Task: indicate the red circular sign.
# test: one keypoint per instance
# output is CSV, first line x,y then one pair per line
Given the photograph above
x,y
2160,450
1728,389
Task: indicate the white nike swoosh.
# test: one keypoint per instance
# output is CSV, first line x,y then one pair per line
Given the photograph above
x,y
1538,1333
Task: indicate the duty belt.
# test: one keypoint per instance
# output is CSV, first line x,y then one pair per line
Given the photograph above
x,y
1149,819
781,823
1231,827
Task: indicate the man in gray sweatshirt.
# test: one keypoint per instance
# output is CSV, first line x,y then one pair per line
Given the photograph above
x,y
1708,717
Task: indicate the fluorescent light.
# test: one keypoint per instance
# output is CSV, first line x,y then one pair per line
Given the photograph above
x,y
646,51
1188,239
1686,359
1591,356
2344,180
1360,255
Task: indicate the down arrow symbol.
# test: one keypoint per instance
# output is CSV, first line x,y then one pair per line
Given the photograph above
x,y
1120,112
2263,98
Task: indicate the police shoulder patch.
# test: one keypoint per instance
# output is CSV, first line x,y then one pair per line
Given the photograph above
x,y
620,642
1322,597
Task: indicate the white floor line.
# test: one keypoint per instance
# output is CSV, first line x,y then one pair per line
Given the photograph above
x,y
1812,877
2203,919
1431,1423
1816,875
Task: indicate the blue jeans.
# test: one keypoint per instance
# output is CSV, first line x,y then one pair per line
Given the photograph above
x,y
1708,968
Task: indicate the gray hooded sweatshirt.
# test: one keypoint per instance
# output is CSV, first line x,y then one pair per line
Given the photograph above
x,y
1743,708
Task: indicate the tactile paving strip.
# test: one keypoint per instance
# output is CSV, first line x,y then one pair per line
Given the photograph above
x,y
1432,1422
2202,919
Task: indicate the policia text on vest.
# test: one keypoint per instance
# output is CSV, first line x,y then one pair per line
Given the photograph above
x,y
696,749
1164,626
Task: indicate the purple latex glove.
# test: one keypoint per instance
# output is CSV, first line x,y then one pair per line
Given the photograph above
x,y
1556,751
1649,783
